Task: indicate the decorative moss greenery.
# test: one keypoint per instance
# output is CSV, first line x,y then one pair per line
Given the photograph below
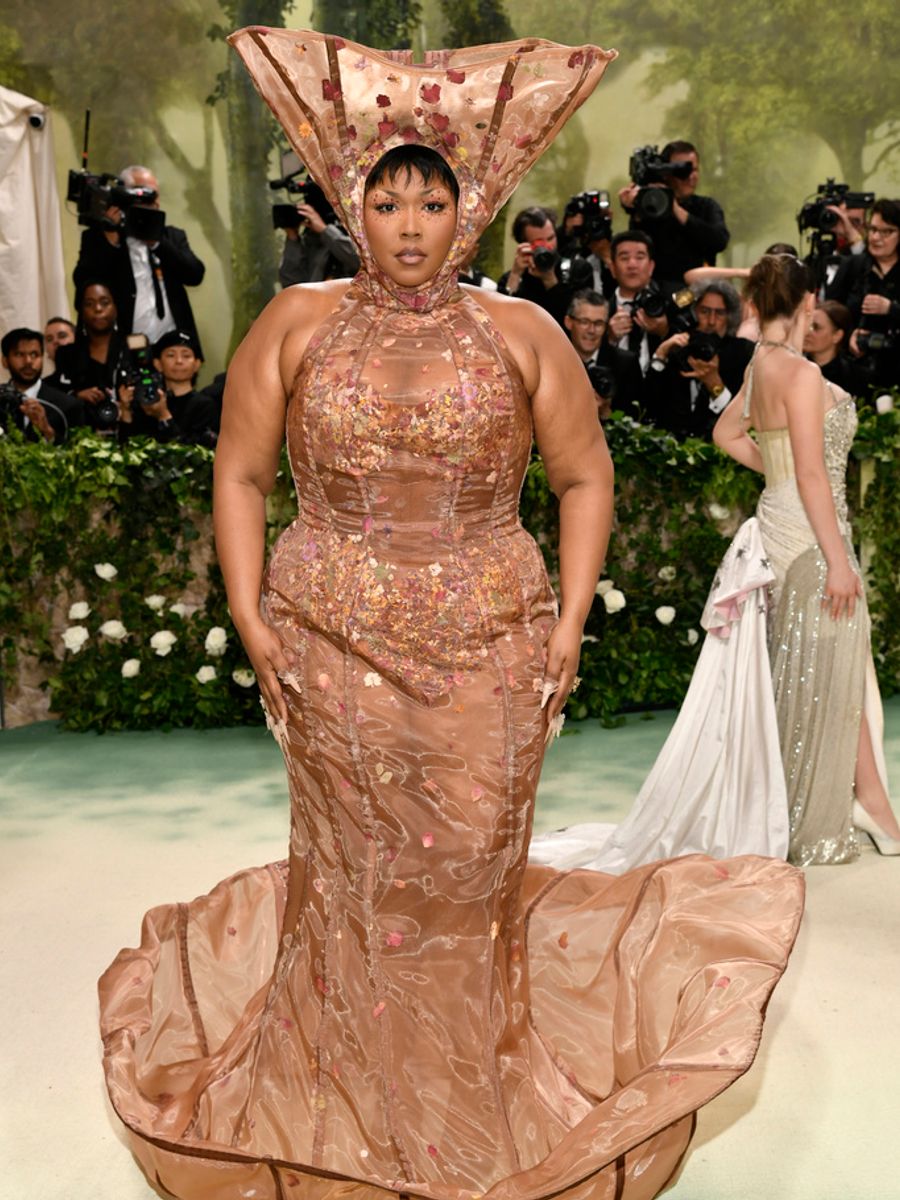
x,y
144,510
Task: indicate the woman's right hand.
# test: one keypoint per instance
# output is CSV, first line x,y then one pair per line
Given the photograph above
x,y
269,657
842,587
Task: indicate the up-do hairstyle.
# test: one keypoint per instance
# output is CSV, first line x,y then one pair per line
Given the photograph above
x,y
403,160
777,285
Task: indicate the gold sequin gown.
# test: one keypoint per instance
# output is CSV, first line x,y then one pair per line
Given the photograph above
x,y
406,1005
822,670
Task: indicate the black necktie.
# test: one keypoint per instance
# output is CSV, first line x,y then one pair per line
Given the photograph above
x,y
156,275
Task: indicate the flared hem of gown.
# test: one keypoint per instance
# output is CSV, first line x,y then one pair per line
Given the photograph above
x,y
648,990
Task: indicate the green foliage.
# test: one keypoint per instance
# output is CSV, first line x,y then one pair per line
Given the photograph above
x,y
384,24
475,22
145,509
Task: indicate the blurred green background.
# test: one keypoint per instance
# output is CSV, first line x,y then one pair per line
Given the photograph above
x,y
777,95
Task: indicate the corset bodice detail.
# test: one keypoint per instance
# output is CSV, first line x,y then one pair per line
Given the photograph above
x,y
409,433
778,460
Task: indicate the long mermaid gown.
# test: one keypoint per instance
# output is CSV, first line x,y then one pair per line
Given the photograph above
x,y
762,756
406,1005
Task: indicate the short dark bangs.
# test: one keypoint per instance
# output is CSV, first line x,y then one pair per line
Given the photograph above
x,y
406,159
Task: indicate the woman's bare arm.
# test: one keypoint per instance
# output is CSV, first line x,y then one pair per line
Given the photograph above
x,y
730,434
579,470
247,458
802,398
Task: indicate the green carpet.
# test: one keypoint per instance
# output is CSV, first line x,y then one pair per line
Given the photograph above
x,y
95,830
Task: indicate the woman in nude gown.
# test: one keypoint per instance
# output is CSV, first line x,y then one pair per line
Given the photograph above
x,y
406,1005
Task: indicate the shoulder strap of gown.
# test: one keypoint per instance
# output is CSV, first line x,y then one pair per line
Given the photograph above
x,y
748,390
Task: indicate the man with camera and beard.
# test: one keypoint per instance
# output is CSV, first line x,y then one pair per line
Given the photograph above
x,y
33,405
688,230
534,274
869,285
147,277
696,371
614,374
638,311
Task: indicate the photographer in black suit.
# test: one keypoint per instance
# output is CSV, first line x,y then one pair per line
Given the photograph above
x,y
36,407
638,310
692,231
696,371
869,285
614,374
148,279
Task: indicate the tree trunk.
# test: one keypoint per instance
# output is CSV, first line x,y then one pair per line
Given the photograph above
x,y
249,142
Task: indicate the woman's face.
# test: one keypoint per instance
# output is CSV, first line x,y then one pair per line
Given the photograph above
x,y
98,309
822,336
409,225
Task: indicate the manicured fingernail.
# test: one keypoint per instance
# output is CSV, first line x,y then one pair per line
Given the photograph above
x,y
550,686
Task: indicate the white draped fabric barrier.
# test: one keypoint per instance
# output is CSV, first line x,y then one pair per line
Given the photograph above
x,y
32,274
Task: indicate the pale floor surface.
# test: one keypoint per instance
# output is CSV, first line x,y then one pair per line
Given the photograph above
x,y
97,830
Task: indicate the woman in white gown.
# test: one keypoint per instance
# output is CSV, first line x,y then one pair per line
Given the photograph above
x,y
778,746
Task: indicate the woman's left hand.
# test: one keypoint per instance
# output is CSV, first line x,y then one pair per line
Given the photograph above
x,y
563,653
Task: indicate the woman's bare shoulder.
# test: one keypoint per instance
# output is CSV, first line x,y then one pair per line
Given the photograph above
x,y
304,305
529,331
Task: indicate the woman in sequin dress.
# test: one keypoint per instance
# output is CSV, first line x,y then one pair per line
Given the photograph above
x,y
406,1005
826,694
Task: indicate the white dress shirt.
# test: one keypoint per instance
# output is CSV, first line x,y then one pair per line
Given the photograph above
x,y
146,319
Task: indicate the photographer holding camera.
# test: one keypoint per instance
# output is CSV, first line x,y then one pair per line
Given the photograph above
x,y
638,311
587,232
614,374
534,274
156,391
696,371
31,403
869,285
148,275
316,248
688,230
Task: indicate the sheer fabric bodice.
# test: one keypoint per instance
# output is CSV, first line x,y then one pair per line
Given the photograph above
x,y
409,434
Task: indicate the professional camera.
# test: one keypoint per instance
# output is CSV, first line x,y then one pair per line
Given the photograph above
x,y
650,302
95,195
648,170
815,215
10,399
602,381
594,206
703,346
285,216
137,371
871,342
573,270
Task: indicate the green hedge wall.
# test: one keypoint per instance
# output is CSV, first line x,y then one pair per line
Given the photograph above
x,y
144,510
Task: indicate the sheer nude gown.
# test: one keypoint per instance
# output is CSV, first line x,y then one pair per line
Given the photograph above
x,y
405,1005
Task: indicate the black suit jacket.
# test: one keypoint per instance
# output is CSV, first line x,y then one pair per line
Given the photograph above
x,y
63,412
677,248
668,392
181,268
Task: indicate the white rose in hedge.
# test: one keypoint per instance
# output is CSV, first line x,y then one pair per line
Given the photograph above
x,y
614,600
163,641
179,609
114,629
665,614
603,587
79,610
216,641
106,571
206,674
243,677
666,574
131,667
693,637
719,513
75,637
156,602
